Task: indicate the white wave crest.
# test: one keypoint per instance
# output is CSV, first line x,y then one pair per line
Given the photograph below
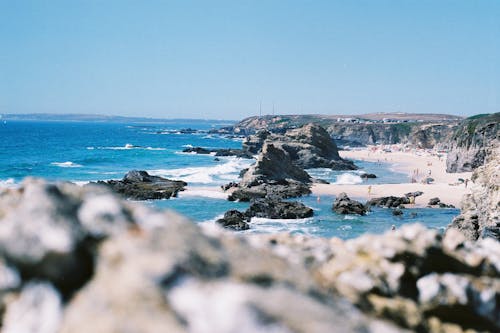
x,y
214,193
8,183
67,164
348,179
127,146
217,174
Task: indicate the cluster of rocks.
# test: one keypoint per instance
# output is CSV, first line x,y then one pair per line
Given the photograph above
x,y
266,208
139,185
219,152
436,202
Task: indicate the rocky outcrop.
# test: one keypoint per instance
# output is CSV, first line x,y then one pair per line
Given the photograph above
x,y
471,142
388,202
139,185
273,175
277,209
309,146
344,205
234,220
480,215
79,259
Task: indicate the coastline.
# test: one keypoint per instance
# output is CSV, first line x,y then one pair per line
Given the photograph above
x,y
446,186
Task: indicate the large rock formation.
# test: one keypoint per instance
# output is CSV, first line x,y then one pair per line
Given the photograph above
x,y
480,216
471,142
309,146
76,259
273,175
139,185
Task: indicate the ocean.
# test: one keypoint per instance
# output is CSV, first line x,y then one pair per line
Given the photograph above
x,y
89,151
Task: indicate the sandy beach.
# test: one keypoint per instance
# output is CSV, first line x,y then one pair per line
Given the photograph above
x,y
446,186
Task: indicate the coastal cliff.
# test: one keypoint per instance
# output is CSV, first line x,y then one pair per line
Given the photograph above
x,y
471,141
423,131
480,216
81,259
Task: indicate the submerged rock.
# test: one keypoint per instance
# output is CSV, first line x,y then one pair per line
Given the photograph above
x,y
344,205
368,176
139,185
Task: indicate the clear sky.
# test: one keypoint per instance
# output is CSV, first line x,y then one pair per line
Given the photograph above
x,y
220,59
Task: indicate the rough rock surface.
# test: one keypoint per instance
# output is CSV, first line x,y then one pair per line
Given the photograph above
x,y
277,209
344,205
472,142
480,214
139,185
151,272
412,276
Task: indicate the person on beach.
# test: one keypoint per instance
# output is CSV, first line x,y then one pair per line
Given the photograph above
x,y
369,190
466,182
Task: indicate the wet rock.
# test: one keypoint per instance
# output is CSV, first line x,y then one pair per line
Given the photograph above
x,y
414,194
276,209
344,205
281,190
234,220
368,176
139,185
197,150
388,202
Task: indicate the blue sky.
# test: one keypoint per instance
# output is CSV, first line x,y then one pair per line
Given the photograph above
x,y
220,59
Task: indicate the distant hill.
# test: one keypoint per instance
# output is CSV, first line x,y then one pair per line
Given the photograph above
x,y
101,118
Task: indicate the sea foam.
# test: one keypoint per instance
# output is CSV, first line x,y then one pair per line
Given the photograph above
x,y
67,164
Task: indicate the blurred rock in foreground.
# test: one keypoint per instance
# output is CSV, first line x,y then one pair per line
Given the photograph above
x,y
80,259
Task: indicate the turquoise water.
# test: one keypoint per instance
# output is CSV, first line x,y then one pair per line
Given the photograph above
x,y
85,151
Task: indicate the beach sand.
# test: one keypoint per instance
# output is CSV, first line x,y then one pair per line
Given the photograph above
x,y
445,186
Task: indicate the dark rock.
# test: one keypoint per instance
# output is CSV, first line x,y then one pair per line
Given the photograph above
x,y
197,150
234,220
368,175
281,190
397,212
434,201
492,231
276,209
414,194
219,152
388,202
344,205
139,185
